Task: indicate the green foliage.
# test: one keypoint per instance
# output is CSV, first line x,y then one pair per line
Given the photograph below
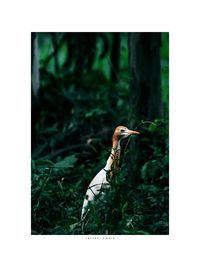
x,y
67,162
95,113
72,124
58,190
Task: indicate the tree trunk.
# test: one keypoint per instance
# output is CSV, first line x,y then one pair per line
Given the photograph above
x,y
55,45
145,88
35,74
115,57
145,71
35,85
114,67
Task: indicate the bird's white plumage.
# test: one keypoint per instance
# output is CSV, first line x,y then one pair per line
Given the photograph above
x,y
94,189
98,182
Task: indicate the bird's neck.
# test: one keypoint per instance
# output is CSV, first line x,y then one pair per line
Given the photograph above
x,y
113,160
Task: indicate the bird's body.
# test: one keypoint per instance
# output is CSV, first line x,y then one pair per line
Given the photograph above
x,y
104,176
93,190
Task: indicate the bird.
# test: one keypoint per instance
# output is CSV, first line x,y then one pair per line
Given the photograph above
x,y
105,175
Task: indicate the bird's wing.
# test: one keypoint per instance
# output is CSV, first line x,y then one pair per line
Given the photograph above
x,y
93,190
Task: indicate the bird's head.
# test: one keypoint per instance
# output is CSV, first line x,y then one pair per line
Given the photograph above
x,y
122,132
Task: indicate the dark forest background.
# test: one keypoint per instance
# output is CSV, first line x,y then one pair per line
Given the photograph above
x,y
83,86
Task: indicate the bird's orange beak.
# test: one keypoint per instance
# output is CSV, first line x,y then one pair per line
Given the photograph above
x,y
133,132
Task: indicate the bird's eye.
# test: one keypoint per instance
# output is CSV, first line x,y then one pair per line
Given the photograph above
x,y
122,130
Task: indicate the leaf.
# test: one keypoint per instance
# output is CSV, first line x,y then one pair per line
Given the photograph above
x,y
152,127
67,162
60,186
148,188
162,177
42,163
72,226
144,170
95,111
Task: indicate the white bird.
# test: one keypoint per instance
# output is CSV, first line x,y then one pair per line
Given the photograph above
x,y
104,176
